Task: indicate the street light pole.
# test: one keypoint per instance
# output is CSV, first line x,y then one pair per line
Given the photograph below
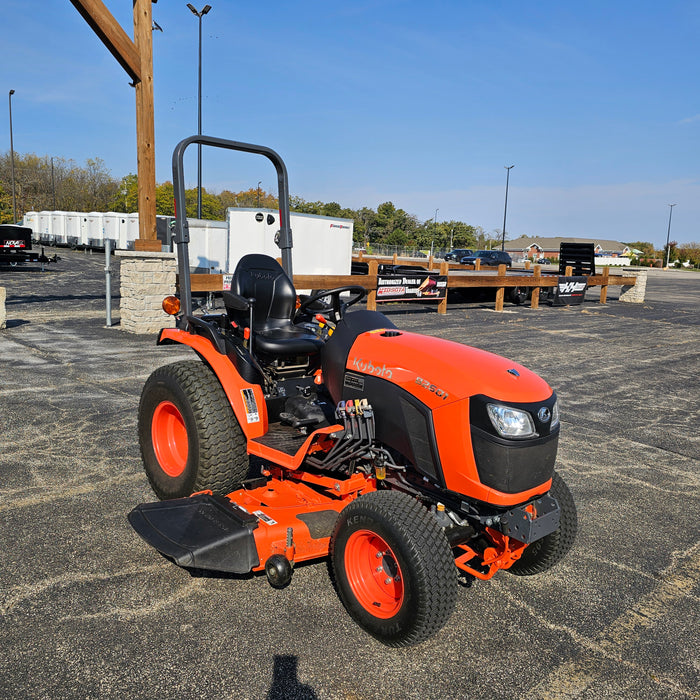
x,y
668,234
505,207
199,15
434,231
12,163
53,185
259,183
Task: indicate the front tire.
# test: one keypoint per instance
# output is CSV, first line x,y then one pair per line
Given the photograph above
x,y
550,550
189,437
393,568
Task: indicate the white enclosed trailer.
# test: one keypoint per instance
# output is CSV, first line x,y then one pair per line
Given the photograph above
x,y
209,245
322,244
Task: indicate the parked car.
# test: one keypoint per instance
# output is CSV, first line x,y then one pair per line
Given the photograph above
x,y
458,253
489,257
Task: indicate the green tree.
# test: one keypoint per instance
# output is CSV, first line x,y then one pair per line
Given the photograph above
x,y
646,248
5,207
165,199
671,250
690,252
211,205
126,198
299,204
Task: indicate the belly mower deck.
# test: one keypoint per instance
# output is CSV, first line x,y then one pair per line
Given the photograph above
x,y
269,524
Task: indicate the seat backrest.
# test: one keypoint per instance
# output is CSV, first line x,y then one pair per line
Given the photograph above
x,y
262,278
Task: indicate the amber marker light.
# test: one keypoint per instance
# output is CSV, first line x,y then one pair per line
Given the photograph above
x,y
171,305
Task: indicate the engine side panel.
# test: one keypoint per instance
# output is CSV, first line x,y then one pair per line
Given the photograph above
x,y
402,422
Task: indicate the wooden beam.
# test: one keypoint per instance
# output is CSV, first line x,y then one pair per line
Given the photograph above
x,y
206,283
604,286
136,57
535,296
143,245
500,292
458,281
215,283
333,281
371,303
444,270
145,129
112,35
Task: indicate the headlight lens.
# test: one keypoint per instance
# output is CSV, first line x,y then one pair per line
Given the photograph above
x,y
555,416
510,422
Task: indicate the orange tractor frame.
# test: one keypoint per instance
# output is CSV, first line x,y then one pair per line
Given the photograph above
x,y
304,430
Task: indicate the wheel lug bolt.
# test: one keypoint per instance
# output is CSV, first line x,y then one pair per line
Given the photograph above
x,y
387,581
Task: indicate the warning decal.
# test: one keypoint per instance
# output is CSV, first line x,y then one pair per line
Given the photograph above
x,y
251,405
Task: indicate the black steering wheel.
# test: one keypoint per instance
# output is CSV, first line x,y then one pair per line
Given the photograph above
x,y
334,309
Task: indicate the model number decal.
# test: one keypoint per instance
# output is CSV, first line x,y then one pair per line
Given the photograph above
x,y
265,518
431,387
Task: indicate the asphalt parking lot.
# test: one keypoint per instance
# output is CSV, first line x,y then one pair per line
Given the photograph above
x,y
89,611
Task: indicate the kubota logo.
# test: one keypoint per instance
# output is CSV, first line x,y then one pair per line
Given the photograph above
x,y
367,367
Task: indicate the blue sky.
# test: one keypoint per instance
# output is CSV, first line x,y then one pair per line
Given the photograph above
x,y
422,104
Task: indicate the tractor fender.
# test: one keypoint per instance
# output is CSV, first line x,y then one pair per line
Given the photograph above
x,y
246,399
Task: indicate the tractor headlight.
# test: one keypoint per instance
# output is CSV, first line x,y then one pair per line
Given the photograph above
x,y
555,416
511,422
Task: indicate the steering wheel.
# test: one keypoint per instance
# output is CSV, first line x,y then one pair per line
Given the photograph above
x,y
335,308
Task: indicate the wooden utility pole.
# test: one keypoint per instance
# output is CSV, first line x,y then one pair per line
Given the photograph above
x,y
136,58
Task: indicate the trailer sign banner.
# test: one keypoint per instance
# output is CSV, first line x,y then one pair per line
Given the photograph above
x,y
405,287
570,290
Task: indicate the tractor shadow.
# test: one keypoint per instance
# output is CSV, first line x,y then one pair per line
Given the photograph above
x,y
285,681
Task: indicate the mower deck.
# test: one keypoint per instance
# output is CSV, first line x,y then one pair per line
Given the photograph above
x,y
239,532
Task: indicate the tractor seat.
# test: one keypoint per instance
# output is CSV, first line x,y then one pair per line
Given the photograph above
x,y
262,278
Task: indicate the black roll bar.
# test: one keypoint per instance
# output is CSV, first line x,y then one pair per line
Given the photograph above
x,y
182,233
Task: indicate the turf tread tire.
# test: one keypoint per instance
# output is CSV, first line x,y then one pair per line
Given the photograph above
x,y
426,561
217,458
550,550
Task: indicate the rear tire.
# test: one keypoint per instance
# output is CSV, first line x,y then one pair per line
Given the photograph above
x,y
189,437
545,553
393,568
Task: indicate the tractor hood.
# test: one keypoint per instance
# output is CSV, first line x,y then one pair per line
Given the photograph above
x,y
438,371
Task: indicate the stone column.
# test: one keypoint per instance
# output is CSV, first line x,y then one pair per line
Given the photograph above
x,y
634,294
146,279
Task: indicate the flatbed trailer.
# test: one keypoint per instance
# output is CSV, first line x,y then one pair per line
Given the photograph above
x,y
16,246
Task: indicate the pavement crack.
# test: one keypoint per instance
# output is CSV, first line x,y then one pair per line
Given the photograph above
x,y
64,493
16,595
678,580
188,590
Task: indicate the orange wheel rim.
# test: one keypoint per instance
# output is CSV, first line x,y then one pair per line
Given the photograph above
x,y
374,574
169,436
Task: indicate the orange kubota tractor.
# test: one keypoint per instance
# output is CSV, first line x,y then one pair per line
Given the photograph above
x,y
304,430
